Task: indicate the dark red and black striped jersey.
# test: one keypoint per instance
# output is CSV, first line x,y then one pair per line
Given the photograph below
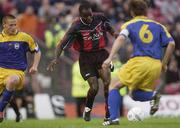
x,y
87,37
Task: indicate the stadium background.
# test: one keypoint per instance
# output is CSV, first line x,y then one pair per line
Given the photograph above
x,y
48,20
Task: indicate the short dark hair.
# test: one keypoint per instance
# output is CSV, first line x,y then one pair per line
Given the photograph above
x,y
9,16
84,5
138,7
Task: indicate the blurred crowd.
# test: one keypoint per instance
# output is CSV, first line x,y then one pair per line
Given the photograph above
x,y
48,20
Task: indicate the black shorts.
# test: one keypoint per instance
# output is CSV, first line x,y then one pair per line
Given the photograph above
x,y
91,62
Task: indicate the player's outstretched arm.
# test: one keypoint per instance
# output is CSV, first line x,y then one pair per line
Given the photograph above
x,y
58,52
62,45
116,46
167,55
34,68
111,30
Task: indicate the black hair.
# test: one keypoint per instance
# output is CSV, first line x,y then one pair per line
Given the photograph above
x,y
84,5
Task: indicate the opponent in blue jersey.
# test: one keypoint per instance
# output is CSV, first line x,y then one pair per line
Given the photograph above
x,y
13,61
144,68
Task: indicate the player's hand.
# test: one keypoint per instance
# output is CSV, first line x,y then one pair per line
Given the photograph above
x,y
33,70
106,63
164,68
51,65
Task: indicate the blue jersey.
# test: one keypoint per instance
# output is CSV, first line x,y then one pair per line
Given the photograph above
x,y
147,37
13,49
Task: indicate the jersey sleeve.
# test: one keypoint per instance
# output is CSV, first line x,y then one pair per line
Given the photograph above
x,y
124,30
33,46
165,36
107,24
69,37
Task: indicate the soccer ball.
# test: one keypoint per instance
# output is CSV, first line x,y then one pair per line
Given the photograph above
x,y
135,114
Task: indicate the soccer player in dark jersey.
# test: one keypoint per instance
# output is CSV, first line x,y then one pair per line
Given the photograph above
x,y
13,61
88,35
139,74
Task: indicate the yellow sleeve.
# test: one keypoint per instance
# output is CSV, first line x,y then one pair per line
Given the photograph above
x,y
123,26
33,46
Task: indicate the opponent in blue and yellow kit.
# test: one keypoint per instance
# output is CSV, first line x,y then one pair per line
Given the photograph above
x,y
13,61
148,38
144,67
13,58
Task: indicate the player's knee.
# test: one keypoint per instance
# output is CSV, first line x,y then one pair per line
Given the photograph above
x,y
94,89
12,81
114,86
133,97
132,94
106,82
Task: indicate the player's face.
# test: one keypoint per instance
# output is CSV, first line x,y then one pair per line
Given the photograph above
x,y
86,15
10,26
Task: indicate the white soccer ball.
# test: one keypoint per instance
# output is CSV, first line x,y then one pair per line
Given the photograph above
x,y
135,114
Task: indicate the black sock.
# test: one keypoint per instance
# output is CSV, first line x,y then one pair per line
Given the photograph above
x,y
107,115
90,98
14,106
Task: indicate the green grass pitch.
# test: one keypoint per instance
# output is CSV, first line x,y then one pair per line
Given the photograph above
x,y
94,123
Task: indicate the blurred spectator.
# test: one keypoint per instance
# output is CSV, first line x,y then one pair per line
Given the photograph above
x,y
42,26
24,97
21,5
46,10
1,16
7,6
169,9
35,4
53,34
176,36
172,78
28,21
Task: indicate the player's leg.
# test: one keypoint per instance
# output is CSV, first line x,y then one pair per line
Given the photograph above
x,y
124,78
140,95
80,104
114,101
78,107
16,109
152,96
147,72
94,87
89,72
105,76
10,83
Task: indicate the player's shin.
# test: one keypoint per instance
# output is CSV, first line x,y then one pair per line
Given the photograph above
x,y
114,101
89,103
6,96
107,115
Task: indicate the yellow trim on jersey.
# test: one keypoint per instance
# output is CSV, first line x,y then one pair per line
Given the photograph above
x,y
21,37
145,19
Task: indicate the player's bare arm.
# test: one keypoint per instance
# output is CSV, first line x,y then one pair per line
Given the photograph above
x,y
167,55
34,68
111,30
116,46
58,52
62,45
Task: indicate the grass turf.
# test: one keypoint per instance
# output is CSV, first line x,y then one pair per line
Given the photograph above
x,y
94,123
